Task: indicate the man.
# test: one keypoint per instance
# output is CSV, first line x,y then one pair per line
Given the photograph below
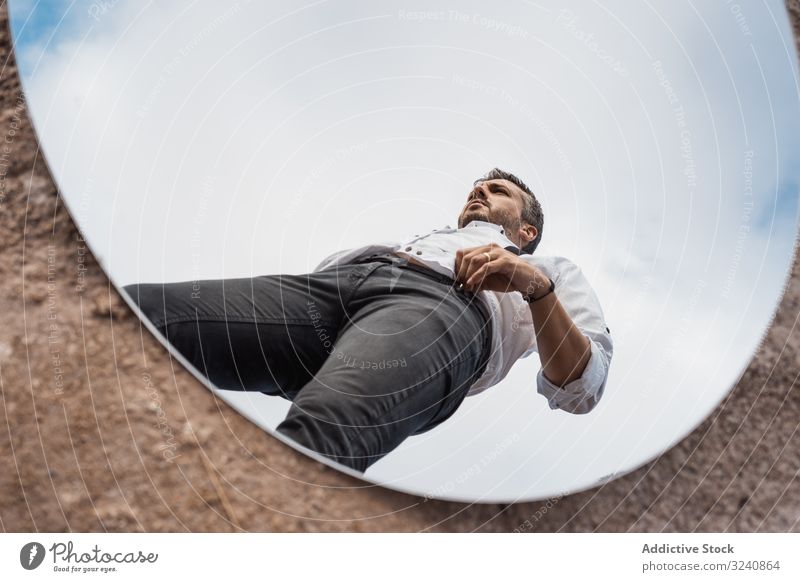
x,y
385,341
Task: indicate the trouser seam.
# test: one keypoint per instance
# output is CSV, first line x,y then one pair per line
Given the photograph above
x,y
185,318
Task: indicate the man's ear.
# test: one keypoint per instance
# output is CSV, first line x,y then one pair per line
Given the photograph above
x,y
527,233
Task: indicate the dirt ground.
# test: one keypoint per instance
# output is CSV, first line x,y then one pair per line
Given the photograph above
x,y
102,431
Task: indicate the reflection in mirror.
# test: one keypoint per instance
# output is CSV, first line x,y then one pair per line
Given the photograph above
x,y
469,252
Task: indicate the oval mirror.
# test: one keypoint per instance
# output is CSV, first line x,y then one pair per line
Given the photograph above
x,y
241,171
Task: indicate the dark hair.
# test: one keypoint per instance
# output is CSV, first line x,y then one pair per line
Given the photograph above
x,y
531,210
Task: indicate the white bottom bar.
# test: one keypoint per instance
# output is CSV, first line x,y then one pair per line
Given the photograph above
x,y
407,557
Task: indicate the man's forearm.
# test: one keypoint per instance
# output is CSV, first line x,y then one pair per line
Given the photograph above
x,y
563,349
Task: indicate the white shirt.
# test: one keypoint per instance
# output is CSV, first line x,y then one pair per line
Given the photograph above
x,y
513,334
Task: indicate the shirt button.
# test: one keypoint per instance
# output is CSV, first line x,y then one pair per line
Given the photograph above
x,y
408,248
419,252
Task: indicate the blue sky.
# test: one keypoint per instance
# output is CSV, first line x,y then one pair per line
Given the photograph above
x,y
200,141
34,20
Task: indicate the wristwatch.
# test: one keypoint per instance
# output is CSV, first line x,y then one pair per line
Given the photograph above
x,y
529,297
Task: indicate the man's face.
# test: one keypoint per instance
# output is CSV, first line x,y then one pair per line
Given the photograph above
x,y
500,202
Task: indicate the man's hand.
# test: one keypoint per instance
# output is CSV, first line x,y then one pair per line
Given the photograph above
x,y
493,268
563,349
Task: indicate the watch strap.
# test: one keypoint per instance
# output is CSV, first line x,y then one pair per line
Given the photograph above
x,y
529,297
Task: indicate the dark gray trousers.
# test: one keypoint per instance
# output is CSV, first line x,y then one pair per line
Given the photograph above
x,y
368,353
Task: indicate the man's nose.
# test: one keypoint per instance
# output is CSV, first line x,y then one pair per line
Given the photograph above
x,y
478,192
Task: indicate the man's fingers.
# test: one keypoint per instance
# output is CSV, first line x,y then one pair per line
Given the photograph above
x,y
471,260
471,263
476,276
460,254
460,265
482,272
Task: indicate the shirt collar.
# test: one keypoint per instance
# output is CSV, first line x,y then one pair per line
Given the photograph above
x,y
483,223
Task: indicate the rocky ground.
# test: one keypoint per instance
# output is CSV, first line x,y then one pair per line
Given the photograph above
x,y
102,432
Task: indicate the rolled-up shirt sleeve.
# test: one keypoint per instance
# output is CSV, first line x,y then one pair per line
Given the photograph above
x,y
582,394
581,303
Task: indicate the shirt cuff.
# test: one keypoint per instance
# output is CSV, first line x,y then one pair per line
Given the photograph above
x,y
582,394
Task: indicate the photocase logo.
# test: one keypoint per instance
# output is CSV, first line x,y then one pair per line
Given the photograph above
x,y
31,555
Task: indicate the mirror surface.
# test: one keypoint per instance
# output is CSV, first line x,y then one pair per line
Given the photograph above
x,y
200,140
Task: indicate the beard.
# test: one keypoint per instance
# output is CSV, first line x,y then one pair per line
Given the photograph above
x,y
509,223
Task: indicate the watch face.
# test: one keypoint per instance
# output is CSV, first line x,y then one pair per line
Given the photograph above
x,y
205,141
